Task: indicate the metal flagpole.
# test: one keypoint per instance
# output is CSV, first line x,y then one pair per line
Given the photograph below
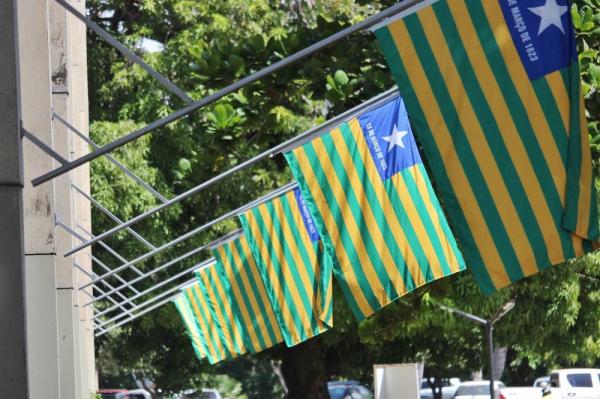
x,y
198,230
285,146
366,24
130,55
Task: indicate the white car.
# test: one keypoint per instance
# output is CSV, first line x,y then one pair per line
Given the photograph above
x,y
476,389
448,388
565,384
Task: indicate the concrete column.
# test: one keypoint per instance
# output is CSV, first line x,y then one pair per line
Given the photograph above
x,y
13,351
38,202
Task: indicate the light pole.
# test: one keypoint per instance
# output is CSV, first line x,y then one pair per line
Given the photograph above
x,y
489,331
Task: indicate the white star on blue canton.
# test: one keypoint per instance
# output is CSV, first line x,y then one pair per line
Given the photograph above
x,y
550,14
395,139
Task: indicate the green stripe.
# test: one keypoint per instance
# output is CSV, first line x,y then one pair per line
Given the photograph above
x,y
518,112
210,341
471,167
262,266
432,152
294,269
256,284
222,307
494,138
245,298
344,236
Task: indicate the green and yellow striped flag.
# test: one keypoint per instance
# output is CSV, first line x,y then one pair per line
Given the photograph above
x,y
375,209
215,290
207,325
191,327
293,264
248,295
493,91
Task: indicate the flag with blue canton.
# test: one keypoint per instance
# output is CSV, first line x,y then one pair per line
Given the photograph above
x,y
374,208
493,91
295,268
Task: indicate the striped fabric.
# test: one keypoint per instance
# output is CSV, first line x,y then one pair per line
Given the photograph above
x,y
248,295
215,349
375,209
294,267
493,90
191,327
215,290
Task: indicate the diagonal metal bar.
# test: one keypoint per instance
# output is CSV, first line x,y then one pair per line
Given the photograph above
x,y
146,275
157,286
43,146
109,249
69,230
150,308
130,55
110,298
112,216
289,144
112,159
300,55
198,230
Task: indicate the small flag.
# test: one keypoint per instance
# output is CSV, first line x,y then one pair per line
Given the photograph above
x,y
374,208
493,91
192,329
215,290
248,295
215,348
293,265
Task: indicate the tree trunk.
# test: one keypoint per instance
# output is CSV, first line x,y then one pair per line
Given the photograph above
x,y
303,368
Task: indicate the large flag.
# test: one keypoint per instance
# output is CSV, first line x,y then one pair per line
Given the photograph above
x,y
293,264
191,327
375,209
493,91
248,295
215,290
216,350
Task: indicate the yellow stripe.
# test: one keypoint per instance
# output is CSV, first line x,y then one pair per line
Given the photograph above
x,y
332,231
262,290
434,215
290,239
527,95
211,348
398,233
212,324
559,92
339,192
456,174
287,310
226,300
229,271
478,141
511,137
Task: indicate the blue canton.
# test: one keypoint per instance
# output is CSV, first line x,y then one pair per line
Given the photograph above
x,y
389,137
309,223
542,32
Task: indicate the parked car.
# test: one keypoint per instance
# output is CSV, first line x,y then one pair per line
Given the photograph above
x,y
202,394
348,390
476,389
565,384
449,387
124,394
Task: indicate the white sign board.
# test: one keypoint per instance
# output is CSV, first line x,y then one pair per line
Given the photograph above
x,y
397,381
